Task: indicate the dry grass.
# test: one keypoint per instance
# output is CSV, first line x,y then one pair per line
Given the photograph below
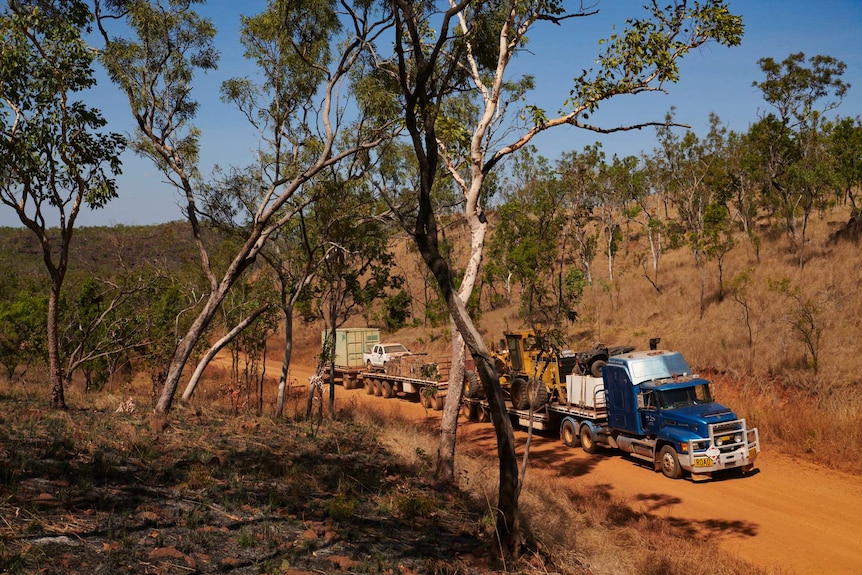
x,y
91,490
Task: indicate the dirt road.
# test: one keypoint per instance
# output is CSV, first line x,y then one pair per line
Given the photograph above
x,y
790,517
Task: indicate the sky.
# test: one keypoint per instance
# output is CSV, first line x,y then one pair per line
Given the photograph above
x,y
714,79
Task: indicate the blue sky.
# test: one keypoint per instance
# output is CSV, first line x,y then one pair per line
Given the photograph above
x,y
713,79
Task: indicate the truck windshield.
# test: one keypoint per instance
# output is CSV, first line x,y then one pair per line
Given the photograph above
x,y
659,367
684,396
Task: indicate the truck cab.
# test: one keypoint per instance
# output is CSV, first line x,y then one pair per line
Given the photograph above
x,y
657,409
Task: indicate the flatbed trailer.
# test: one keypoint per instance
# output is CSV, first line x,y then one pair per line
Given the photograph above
x,y
409,377
551,416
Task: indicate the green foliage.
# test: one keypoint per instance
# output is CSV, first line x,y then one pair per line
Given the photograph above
x,y
52,150
396,310
846,149
530,227
649,49
22,330
798,170
155,70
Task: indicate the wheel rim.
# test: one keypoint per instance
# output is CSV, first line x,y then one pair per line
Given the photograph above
x,y
668,464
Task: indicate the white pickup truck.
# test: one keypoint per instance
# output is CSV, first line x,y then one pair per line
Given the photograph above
x,y
381,353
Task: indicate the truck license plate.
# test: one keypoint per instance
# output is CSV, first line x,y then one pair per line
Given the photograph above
x,y
752,453
702,462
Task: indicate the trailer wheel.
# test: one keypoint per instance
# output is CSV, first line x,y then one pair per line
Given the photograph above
x,y
670,466
484,415
569,434
378,387
596,368
424,400
437,402
369,386
587,443
386,389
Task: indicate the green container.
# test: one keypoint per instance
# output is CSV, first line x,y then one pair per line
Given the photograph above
x,y
351,343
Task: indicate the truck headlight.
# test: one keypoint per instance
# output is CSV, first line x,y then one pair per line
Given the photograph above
x,y
738,438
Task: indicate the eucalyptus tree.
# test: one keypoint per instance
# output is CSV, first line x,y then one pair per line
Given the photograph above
x,y
530,242
482,38
341,261
619,182
798,171
692,170
742,169
55,155
646,211
304,55
579,174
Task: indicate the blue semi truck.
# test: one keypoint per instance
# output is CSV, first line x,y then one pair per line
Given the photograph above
x,y
649,404
646,403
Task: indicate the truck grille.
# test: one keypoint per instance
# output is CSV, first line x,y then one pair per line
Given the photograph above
x,y
728,436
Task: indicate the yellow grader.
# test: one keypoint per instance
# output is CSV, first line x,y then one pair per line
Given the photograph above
x,y
533,367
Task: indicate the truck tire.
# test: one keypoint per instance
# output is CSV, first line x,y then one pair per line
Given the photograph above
x,y
596,368
386,389
472,386
587,443
368,367
669,461
378,387
569,433
369,386
437,402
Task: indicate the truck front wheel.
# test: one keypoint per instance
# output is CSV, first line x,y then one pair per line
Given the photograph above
x,y
587,443
669,460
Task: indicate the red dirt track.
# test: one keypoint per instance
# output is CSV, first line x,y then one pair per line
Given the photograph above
x,y
789,517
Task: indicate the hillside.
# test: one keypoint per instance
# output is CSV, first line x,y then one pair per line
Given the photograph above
x,y
756,340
